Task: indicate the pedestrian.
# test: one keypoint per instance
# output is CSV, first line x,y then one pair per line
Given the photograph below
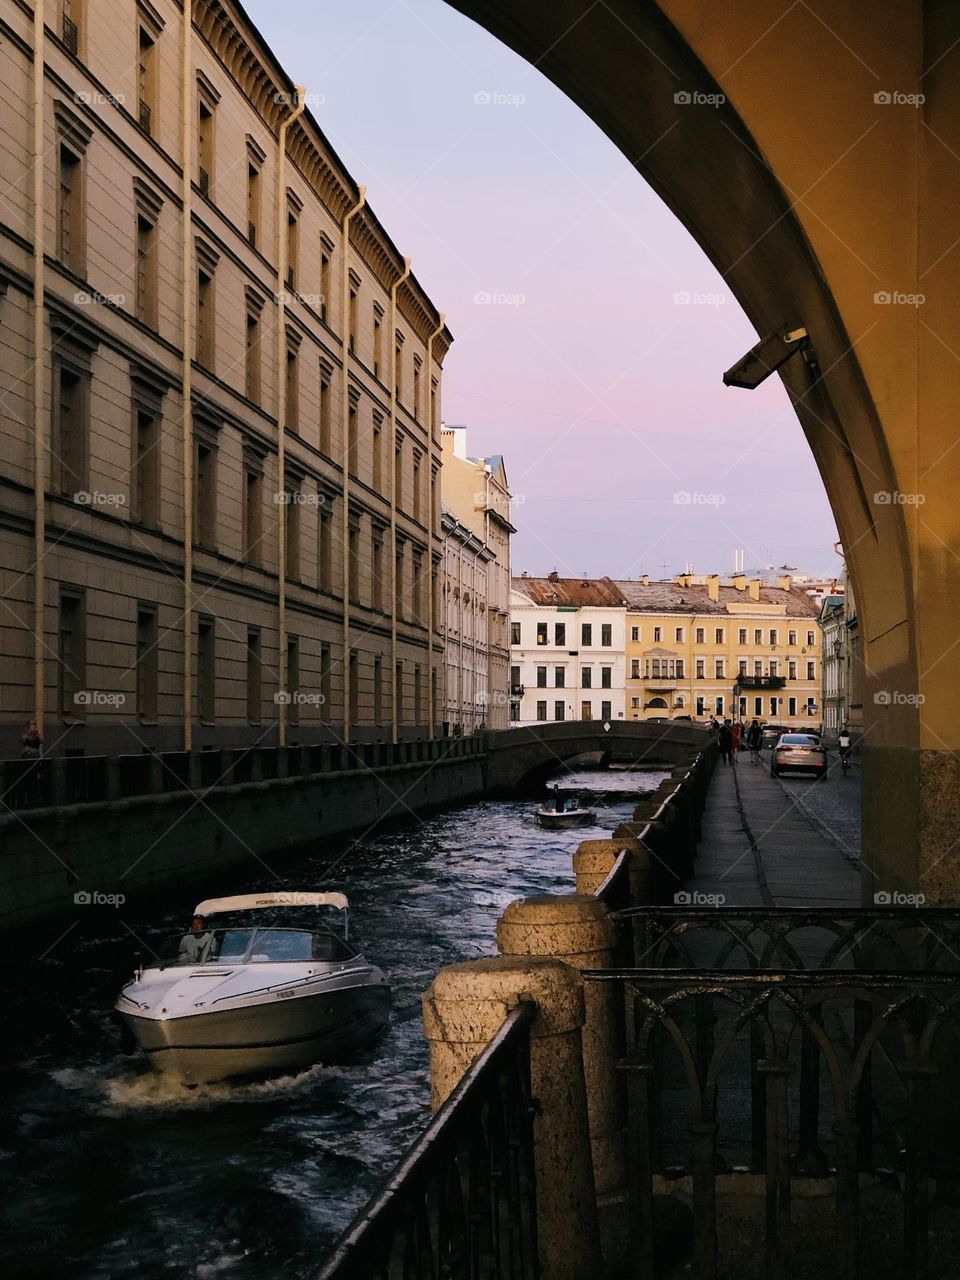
x,y
754,738
735,732
31,742
726,742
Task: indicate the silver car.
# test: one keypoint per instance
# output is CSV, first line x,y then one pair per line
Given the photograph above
x,y
799,752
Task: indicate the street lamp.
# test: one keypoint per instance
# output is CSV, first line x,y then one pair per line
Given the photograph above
x,y
837,646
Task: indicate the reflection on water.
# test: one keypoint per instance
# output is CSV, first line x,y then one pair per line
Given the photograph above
x,y
112,1171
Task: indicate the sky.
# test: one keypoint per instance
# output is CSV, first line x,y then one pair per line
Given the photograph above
x,y
590,331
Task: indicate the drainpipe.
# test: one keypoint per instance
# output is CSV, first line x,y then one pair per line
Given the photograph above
x,y
393,494
431,700
186,391
301,98
463,618
40,426
344,419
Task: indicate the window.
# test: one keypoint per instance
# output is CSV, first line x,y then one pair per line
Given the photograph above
x,y
293,679
377,453
71,21
417,586
206,670
293,246
292,387
742,666
433,405
542,633
291,517
416,390
559,677
325,375
541,677
398,355
586,710
325,548
774,667
606,674
416,487
701,668
514,679
791,637
253,202
558,710
586,633
811,637
254,676
719,704
399,579
326,252
71,653
792,669
634,633
377,571
398,473
514,632
377,339
758,667
635,704
417,695
206,320
606,635
743,707
252,353
514,709
353,317
811,670
635,669
541,710
718,635
774,702
205,492
758,706
146,272
70,429
147,661
605,709
205,144
354,688
701,635
378,690
398,690
742,636
586,678
678,634
353,437
679,668
791,706
147,80
252,512
146,467
657,634
701,706
326,684
758,636
560,634
70,247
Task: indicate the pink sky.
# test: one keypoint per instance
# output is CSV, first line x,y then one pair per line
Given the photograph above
x,y
602,390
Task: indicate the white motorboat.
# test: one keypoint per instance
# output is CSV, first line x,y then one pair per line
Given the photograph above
x,y
561,812
262,984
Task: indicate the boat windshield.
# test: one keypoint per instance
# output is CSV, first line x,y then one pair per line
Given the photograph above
x,y
249,945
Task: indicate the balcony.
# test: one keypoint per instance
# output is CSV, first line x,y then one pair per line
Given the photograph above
x,y
660,684
745,681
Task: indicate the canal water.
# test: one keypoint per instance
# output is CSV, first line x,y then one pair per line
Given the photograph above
x,y
109,1171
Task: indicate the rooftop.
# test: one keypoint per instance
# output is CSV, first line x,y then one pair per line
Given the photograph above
x,y
675,595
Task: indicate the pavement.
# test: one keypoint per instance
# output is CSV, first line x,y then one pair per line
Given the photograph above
x,y
766,842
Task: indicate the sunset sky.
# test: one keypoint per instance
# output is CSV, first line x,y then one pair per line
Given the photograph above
x,y
559,271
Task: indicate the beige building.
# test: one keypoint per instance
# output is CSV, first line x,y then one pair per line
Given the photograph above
x,y
477,531
292,596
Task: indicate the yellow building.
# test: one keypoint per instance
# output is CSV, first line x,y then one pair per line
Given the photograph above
x,y
696,646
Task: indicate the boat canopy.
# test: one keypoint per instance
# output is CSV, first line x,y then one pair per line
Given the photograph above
x,y
255,901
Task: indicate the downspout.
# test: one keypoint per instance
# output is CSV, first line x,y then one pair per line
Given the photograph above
x,y
431,620
40,425
463,616
344,419
301,98
186,390
392,335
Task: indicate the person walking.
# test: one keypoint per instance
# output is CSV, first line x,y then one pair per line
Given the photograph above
x,y
754,738
735,732
725,739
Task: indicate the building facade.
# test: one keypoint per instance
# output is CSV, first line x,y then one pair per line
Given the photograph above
x,y
221,418
568,650
476,533
834,664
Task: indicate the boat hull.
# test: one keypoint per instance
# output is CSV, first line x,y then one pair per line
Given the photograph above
x,y
563,821
263,1038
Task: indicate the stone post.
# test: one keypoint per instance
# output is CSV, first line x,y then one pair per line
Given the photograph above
x,y
577,928
462,1011
593,861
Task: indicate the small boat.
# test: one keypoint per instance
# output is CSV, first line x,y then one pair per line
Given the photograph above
x,y
262,984
561,812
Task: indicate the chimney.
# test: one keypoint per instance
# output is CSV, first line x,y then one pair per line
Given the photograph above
x,y
645,580
754,588
739,580
713,586
682,580
553,576
785,582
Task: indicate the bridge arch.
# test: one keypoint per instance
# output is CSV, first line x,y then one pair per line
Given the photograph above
x,y
821,187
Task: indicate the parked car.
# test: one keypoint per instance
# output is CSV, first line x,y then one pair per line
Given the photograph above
x,y
800,752
771,735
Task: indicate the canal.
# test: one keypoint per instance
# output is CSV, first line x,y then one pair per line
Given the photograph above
x,y
110,1171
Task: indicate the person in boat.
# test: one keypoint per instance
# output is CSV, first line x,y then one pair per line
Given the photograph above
x,y
197,945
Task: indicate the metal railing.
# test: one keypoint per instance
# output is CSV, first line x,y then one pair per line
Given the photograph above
x,y
462,1202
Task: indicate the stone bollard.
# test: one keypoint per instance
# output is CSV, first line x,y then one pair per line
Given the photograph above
x,y
593,861
462,1011
577,928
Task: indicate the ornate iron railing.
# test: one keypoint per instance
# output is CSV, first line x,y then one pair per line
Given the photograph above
x,y
724,1074
461,1204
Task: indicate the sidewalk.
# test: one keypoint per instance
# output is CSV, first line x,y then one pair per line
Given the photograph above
x,y
761,849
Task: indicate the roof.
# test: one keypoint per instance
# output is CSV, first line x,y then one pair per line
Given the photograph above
x,y
671,597
255,901
582,592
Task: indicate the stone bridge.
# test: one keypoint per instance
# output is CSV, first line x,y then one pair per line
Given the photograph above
x,y
523,759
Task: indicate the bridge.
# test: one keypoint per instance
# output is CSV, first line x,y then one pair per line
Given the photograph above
x,y
521,760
